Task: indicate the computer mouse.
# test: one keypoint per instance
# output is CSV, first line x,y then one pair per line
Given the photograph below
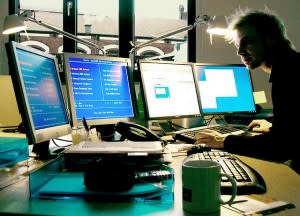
x,y
199,148
251,128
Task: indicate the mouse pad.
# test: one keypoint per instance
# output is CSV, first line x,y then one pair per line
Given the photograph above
x,y
71,184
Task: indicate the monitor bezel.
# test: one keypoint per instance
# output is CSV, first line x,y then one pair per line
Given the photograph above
x,y
35,136
97,122
144,97
223,64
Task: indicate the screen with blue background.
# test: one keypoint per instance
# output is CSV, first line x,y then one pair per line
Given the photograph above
x,y
224,88
100,88
43,91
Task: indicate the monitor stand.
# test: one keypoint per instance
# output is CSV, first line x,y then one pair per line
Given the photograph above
x,y
172,125
189,122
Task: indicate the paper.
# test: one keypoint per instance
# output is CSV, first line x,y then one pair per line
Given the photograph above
x,y
259,97
254,204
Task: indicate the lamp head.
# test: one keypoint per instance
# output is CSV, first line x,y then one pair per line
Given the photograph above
x,y
218,26
13,23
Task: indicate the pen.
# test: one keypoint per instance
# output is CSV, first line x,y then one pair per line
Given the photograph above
x,y
85,125
238,201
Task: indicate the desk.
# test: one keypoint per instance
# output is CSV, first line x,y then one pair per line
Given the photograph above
x,y
282,183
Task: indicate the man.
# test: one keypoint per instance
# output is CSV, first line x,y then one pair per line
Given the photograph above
x,y
261,41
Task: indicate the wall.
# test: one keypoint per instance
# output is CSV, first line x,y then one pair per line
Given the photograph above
x,y
222,52
3,38
9,112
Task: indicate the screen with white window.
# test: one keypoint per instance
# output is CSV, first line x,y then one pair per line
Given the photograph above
x,y
169,89
224,88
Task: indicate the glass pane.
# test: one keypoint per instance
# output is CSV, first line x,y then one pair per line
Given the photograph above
x,y
98,22
38,36
158,17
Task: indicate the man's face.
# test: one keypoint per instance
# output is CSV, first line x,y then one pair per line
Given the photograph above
x,y
250,47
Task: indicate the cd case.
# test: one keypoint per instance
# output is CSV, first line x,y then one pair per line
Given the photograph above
x,y
52,181
13,149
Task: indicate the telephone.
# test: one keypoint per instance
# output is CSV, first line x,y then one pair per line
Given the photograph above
x,y
135,132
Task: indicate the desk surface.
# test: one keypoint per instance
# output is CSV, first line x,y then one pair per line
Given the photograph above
x,y
282,183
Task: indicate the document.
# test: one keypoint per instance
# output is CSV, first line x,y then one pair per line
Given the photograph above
x,y
258,205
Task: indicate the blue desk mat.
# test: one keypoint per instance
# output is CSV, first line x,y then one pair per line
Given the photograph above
x,y
72,184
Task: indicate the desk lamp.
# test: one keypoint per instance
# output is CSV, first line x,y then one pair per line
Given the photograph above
x,y
15,23
217,25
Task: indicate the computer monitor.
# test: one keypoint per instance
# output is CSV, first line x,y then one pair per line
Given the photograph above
x,y
39,95
168,89
100,89
224,88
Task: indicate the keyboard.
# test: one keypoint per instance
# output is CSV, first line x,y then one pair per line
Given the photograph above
x,y
248,180
187,135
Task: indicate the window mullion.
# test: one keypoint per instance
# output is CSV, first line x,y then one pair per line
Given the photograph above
x,y
191,52
70,25
126,26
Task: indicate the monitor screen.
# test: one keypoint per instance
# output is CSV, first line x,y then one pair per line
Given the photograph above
x,y
169,89
100,89
39,93
224,88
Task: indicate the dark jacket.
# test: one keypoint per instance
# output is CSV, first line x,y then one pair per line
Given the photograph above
x,y
280,144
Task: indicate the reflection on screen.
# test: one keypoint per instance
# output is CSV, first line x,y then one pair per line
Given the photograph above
x,y
224,88
99,88
42,89
169,89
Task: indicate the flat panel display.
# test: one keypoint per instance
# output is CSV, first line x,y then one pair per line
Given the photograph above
x,y
100,89
169,89
39,93
224,88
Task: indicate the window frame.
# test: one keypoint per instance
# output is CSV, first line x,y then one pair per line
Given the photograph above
x,y
126,26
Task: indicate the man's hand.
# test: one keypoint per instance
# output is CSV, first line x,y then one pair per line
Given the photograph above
x,y
210,138
260,125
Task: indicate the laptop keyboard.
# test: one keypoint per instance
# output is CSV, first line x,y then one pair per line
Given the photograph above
x,y
247,179
187,135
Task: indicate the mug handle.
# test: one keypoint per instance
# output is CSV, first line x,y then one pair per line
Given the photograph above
x,y
234,189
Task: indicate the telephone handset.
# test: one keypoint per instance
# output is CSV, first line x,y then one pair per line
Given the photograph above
x,y
135,132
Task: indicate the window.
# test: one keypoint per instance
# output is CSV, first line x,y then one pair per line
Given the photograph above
x,y
38,36
98,21
169,15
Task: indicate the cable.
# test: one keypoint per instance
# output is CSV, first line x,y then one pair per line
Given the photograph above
x,y
60,145
63,140
11,126
208,121
11,130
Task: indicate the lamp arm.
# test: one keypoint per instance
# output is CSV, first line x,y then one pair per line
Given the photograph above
x,y
64,33
186,28
199,20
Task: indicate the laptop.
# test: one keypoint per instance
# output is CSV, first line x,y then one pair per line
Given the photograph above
x,y
116,147
147,153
